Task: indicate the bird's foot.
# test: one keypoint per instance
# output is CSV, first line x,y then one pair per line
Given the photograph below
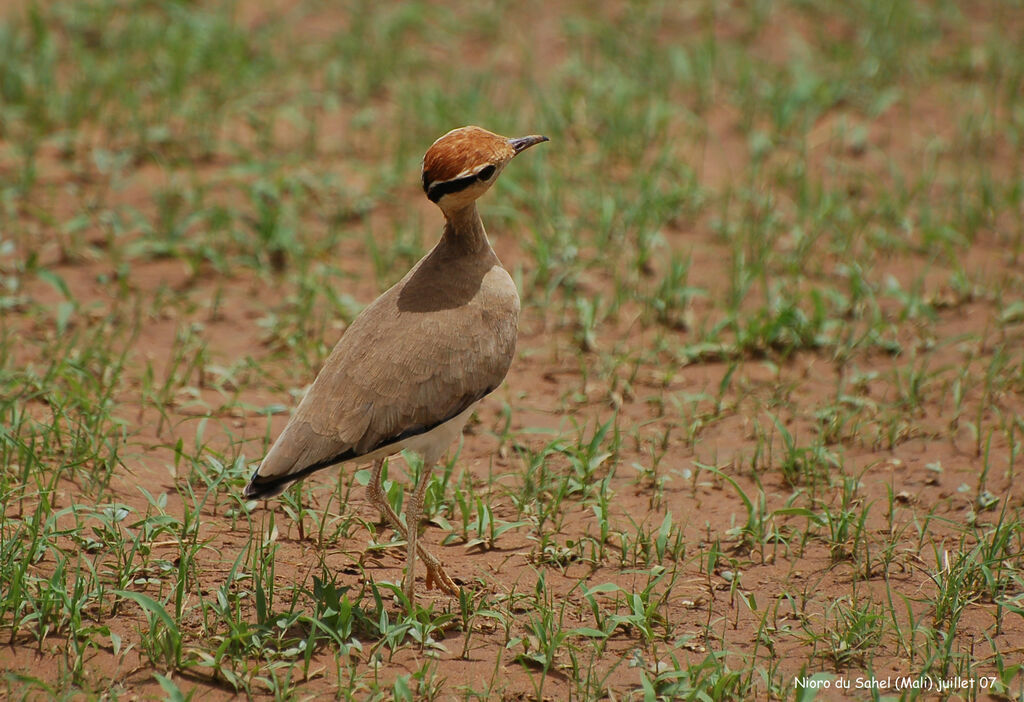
x,y
437,576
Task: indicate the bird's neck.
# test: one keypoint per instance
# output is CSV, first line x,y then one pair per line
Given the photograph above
x,y
464,232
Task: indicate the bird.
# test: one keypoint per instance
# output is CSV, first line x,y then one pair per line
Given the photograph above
x,y
409,370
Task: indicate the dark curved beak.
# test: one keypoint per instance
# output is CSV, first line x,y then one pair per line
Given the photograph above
x,y
523,143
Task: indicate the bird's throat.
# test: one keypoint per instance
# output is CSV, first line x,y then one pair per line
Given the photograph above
x,y
464,231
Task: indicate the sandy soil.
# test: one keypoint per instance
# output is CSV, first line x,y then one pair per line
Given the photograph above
x,y
547,390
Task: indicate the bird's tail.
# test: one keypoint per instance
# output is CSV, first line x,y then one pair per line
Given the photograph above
x,y
263,488
270,481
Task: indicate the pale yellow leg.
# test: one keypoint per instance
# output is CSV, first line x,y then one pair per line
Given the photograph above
x,y
412,521
435,571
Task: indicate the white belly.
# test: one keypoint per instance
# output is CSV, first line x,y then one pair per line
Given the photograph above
x,y
431,445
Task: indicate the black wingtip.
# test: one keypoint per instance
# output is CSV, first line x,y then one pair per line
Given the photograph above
x,y
261,488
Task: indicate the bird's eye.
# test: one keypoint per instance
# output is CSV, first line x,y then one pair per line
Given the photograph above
x,y
486,173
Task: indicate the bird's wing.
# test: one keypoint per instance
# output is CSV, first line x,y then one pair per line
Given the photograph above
x,y
395,373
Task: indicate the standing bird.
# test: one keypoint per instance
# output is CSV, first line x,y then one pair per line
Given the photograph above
x,y
411,367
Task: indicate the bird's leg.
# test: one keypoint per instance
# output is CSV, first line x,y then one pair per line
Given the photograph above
x,y
412,521
375,493
435,571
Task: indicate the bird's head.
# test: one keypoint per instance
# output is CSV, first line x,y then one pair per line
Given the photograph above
x,y
460,166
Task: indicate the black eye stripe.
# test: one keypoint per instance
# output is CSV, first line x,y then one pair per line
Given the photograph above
x,y
439,190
